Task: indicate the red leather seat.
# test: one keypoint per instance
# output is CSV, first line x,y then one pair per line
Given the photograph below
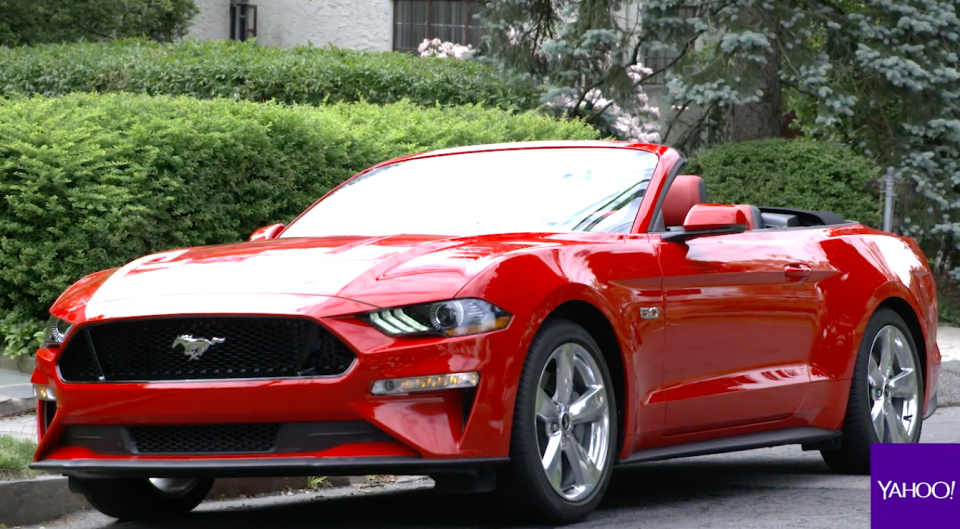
x,y
685,192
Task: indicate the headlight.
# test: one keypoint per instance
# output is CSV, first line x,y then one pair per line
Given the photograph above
x,y
457,317
57,331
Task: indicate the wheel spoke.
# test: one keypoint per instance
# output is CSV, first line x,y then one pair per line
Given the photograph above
x,y
590,407
565,360
904,385
877,416
874,376
585,471
887,352
897,432
546,409
553,462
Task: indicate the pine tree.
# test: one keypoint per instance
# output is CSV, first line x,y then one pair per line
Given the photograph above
x,y
880,75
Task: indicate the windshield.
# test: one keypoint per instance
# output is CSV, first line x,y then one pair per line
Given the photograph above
x,y
532,190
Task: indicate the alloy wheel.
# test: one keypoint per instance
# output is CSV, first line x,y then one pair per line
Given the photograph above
x,y
894,387
572,422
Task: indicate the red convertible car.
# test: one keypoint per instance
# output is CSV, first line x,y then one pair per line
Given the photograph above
x,y
513,319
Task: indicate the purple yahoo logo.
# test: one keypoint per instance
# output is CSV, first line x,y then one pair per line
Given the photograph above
x,y
921,490
914,485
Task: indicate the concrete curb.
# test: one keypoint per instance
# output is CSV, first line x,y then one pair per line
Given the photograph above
x,y
37,500
34,501
11,406
23,364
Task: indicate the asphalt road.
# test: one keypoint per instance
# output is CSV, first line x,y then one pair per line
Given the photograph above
x,y
769,488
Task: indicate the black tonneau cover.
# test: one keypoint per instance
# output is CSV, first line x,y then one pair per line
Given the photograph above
x,y
809,218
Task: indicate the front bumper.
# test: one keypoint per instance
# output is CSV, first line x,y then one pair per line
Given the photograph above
x,y
444,429
264,467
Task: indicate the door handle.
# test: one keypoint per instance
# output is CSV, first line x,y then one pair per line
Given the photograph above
x,y
797,272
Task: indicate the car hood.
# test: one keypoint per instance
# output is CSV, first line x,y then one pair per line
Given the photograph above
x,y
379,271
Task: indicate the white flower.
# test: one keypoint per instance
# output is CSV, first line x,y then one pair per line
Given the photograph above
x,y
443,50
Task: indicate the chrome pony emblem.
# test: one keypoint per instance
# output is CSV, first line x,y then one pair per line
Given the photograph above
x,y
195,347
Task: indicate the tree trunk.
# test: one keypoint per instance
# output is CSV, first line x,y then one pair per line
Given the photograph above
x,y
760,120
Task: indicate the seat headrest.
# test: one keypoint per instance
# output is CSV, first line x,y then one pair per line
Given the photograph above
x,y
754,216
685,192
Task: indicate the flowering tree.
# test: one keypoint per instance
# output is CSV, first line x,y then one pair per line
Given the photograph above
x,y
637,124
582,54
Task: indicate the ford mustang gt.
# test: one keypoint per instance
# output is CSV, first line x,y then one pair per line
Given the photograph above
x,y
514,319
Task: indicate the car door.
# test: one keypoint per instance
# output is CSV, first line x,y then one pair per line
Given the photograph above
x,y
741,316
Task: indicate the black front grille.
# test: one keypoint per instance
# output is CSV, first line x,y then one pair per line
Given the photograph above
x,y
77,363
199,439
204,439
241,347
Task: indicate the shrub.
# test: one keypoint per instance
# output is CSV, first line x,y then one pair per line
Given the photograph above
x,y
92,181
243,70
800,174
31,22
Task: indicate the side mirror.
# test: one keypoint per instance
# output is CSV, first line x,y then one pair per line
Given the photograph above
x,y
709,219
267,232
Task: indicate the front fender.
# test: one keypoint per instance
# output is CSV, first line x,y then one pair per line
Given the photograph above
x,y
532,286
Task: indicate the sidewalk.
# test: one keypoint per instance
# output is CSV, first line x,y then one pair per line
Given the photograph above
x,y
22,426
948,338
16,393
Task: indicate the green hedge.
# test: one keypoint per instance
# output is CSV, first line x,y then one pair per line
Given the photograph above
x,y
246,71
801,174
92,181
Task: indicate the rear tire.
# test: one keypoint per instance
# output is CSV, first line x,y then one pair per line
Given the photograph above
x,y
872,394
140,499
567,424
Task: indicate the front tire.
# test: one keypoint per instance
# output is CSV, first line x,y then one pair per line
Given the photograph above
x,y
886,394
564,428
143,498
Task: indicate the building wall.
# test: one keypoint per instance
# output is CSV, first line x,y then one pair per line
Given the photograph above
x,y
213,21
359,25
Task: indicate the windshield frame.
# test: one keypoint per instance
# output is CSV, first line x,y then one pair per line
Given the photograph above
x,y
651,194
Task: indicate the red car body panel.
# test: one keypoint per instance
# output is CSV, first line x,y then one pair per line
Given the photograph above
x,y
757,331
